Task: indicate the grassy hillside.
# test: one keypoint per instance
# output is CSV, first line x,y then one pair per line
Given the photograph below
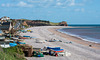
x,y
4,56
54,23
12,53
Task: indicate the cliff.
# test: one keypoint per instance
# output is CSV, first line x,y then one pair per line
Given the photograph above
x,y
63,23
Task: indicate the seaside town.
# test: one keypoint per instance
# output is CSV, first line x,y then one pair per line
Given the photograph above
x,y
49,29
22,39
11,39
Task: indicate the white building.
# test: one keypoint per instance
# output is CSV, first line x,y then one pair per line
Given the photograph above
x,y
5,18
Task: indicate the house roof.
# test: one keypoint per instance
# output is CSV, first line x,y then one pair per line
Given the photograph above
x,y
6,23
5,26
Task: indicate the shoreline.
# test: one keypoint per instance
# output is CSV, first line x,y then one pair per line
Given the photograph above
x,y
77,36
78,51
74,38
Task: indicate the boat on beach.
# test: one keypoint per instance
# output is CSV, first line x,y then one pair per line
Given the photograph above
x,y
38,40
2,38
4,44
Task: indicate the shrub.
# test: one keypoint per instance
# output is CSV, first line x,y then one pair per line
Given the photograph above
x,y
15,52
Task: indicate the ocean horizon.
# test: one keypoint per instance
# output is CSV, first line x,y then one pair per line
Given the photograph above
x,y
85,32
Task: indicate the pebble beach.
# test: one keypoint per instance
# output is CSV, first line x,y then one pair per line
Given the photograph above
x,y
79,49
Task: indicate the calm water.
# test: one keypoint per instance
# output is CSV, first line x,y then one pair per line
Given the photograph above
x,y
88,33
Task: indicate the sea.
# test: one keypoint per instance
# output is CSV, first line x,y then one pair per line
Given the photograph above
x,y
85,32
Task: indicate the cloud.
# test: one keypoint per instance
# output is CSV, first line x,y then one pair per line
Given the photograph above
x,y
19,4
72,3
82,9
44,3
6,5
23,4
34,1
2,5
79,10
59,4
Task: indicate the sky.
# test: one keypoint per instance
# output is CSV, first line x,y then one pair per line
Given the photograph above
x,y
71,11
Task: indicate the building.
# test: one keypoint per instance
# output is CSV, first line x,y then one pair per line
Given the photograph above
x,y
1,33
6,27
5,18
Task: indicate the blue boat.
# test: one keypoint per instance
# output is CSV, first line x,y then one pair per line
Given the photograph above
x,y
26,36
54,48
12,44
20,42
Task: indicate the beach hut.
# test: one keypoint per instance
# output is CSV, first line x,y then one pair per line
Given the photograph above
x,y
38,40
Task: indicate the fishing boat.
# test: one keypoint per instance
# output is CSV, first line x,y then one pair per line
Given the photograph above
x,y
4,44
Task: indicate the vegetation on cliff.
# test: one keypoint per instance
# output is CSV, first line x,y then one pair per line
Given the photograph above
x,y
12,53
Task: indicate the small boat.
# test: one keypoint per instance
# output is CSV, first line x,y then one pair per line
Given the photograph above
x,y
4,45
20,42
56,51
56,48
26,36
31,31
2,38
15,38
12,44
40,40
37,54
22,37
28,30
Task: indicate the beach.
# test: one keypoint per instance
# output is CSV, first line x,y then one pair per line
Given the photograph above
x,y
79,49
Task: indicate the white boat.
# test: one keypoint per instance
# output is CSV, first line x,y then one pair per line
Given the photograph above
x,y
2,37
4,45
15,38
40,40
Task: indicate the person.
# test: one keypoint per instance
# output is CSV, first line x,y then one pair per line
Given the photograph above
x,y
90,45
45,48
70,42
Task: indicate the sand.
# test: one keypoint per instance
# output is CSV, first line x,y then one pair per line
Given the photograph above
x,y
79,49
